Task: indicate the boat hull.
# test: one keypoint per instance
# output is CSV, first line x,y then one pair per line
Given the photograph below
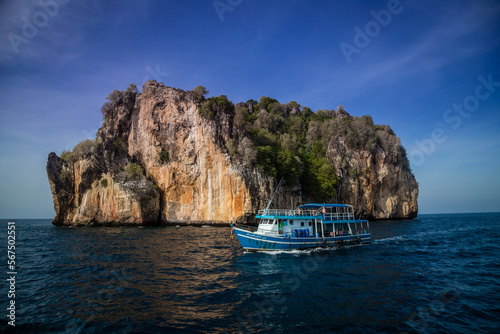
x,y
255,242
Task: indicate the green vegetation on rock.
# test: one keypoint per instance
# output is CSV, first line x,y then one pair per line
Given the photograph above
x,y
291,141
134,171
113,98
120,145
215,105
81,149
104,183
200,92
164,156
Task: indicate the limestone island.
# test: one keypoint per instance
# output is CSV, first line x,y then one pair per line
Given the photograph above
x,y
169,156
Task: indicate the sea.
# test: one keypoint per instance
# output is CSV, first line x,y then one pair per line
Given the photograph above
x,y
433,274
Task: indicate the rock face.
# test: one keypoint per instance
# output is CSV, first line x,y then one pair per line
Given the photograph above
x,y
189,175
81,199
377,187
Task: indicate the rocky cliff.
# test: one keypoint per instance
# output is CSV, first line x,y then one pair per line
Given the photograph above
x,y
157,159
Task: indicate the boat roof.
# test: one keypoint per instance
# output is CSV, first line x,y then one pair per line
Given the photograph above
x,y
316,205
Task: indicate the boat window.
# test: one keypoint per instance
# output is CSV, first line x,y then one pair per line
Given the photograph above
x,y
310,223
301,223
291,222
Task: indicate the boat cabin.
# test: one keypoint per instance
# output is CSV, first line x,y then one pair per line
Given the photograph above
x,y
311,220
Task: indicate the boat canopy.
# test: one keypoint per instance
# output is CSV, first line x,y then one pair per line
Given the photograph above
x,y
317,205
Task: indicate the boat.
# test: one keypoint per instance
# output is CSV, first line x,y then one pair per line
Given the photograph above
x,y
312,225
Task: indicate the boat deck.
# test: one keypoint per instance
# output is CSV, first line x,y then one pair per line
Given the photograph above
x,y
306,214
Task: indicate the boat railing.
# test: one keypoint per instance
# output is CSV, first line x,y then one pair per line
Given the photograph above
x,y
308,213
248,228
277,212
338,216
292,213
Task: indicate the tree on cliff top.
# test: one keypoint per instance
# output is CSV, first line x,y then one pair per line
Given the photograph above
x,y
114,97
132,88
215,105
200,92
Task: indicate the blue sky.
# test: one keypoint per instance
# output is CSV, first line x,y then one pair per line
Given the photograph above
x,y
59,59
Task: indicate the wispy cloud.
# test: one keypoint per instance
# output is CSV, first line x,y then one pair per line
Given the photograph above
x,y
455,36
67,27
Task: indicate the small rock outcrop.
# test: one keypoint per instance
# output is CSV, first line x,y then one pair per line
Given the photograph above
x,y
157,160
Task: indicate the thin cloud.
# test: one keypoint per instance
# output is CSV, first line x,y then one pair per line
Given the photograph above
x,y
452,40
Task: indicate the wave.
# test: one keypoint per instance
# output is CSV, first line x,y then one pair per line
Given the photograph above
x,y
384,240
306,251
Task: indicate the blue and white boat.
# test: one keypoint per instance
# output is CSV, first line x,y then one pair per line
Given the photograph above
x,y
308,226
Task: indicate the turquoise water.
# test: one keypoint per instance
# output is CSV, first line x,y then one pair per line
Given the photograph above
x,y
438,273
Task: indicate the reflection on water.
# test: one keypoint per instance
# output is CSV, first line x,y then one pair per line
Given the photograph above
x,y
179,274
